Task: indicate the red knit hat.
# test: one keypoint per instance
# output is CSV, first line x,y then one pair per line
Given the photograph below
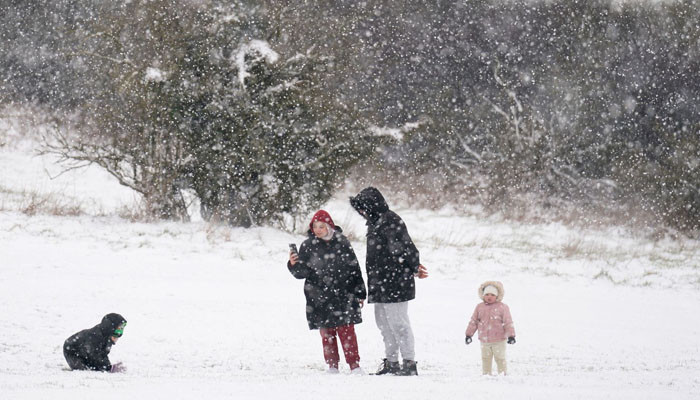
x,y
323,216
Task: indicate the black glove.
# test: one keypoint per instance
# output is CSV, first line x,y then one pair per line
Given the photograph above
x,y
511,340
468,339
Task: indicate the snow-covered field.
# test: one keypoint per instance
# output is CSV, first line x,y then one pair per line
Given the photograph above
x,y
213,312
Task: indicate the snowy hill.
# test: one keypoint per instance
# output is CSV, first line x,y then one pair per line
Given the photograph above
x,y
213,312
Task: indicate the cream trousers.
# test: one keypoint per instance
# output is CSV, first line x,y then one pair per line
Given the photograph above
x,y
489,351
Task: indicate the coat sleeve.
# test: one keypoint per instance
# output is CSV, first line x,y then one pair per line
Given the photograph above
x,y
99,360
358,283
473,323
103,364
508,322
300,270
405,248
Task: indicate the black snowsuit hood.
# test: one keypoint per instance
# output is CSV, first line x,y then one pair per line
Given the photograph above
x,y
89,348
392,258
110,322
370,204
333,283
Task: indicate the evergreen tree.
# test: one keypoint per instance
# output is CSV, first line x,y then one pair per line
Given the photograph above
x,y
193,97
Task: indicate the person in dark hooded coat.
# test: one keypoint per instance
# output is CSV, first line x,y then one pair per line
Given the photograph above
x,y
333,287
392,262
89,349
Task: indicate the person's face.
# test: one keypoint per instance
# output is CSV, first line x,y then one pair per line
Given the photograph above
x,y
363,213
118,332
320,229
489,298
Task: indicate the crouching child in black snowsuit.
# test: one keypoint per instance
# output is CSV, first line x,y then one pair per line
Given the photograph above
x,y
89,348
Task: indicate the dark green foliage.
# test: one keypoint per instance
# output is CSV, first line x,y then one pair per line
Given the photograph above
x,y
186,97
584,102
584,90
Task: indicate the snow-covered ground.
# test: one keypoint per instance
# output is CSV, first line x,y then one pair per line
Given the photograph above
x,y
213,312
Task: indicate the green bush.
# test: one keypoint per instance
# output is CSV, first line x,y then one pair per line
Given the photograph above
x,y
189,97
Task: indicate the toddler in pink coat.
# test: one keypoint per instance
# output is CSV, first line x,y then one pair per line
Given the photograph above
x,y
493,321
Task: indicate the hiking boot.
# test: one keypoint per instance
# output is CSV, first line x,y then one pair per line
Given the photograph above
x,y
409,368
388,367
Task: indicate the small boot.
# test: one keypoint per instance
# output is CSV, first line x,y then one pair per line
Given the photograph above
x,y
409,368
388,367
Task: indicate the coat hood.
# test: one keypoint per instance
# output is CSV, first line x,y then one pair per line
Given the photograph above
x,y
498,286
370,203
323,216
110,322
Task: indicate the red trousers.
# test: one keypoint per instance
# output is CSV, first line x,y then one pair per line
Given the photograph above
x,y
346,333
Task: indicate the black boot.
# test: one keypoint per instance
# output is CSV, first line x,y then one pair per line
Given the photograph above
x,y
409,368
388,367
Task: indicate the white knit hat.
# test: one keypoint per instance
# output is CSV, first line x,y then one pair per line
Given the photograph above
x,y
491,289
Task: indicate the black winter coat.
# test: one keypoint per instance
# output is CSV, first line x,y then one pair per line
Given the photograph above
x,y
392,258
89,348
333,283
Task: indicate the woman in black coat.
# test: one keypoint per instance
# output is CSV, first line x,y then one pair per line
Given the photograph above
x,y
334,288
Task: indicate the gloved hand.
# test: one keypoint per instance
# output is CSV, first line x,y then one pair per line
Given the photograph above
x,y
468,339
118,367
511,340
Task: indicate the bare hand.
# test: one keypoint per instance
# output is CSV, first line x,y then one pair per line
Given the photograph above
x,y
293,258
422,272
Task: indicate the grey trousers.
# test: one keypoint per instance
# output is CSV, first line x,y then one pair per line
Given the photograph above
x,y
392,320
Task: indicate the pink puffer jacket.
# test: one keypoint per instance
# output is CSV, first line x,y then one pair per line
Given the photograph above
x,y
492,320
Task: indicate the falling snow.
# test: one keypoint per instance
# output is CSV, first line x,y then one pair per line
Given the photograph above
x,y
158,156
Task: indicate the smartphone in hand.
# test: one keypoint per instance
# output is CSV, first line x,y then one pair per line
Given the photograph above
x,y
293,249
